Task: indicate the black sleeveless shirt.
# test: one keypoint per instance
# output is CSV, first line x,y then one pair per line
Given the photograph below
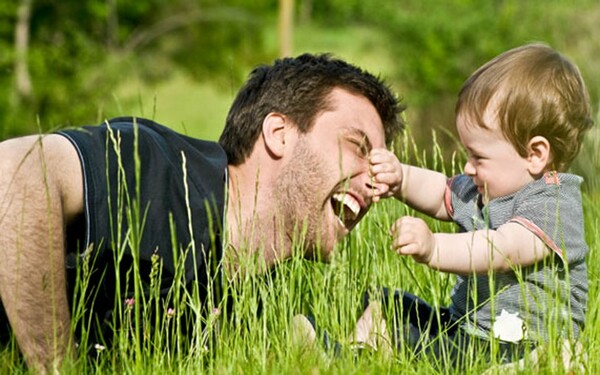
x,y
147,191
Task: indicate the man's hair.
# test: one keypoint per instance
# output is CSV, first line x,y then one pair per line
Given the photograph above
x,y
299,89
538,92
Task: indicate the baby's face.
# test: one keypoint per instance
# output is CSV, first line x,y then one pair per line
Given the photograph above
x,y
493,163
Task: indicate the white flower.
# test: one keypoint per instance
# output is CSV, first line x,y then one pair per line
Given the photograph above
x,y
508,327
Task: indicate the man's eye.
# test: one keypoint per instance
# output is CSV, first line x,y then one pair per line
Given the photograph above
x,y
361,148
364,151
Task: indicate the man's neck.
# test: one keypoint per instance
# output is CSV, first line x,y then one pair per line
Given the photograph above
x,y
250,224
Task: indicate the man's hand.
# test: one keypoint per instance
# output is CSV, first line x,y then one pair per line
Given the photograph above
x,y
413,237
387,173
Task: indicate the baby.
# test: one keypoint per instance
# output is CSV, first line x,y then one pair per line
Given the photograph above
x,y
520,254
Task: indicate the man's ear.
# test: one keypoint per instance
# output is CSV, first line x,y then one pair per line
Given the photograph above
x,y
539,157
273,131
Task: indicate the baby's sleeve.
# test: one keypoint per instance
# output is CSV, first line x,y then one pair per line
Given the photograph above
x,y
554,214
459,199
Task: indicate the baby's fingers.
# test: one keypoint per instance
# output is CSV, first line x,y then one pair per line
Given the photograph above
x,y
381,168
379,191
380,155
404,242
407,249
388,178
401,230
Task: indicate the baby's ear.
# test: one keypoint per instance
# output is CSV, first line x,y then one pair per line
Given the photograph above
x,y
538,155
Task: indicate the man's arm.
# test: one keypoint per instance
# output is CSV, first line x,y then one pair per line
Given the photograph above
x,y
41,189
472,252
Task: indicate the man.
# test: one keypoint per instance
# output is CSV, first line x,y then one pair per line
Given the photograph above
x,y
292,161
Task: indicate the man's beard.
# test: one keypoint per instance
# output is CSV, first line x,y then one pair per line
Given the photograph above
x,y
299,195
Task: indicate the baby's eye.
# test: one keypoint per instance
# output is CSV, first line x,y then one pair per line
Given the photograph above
x,y
473,156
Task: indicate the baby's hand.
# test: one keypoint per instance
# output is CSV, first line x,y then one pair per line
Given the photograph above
x,y
387,173
413,237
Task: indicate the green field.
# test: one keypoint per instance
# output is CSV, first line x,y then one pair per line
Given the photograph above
x,y
251,342
256,335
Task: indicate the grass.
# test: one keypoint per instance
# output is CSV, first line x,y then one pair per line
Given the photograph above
x,y
197,109
255,336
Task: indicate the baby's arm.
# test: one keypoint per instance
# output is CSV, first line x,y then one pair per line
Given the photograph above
x,y
422,189
472,252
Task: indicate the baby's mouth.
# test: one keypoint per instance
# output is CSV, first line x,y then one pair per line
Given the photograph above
x,y
346,208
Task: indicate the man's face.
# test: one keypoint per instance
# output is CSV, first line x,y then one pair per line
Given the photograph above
x,y
325,187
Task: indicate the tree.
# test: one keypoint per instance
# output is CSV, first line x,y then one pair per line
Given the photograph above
x,y
22,77
286,22
68,57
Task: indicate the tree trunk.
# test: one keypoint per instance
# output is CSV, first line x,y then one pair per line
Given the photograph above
x,y
112,24
22,78
286,22
306,7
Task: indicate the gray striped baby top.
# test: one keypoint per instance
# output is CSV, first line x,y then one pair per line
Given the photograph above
x,y
524,302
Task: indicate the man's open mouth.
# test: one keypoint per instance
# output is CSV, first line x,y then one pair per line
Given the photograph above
x,y
346,208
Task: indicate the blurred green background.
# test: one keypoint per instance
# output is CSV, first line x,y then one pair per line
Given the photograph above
x,y
181,62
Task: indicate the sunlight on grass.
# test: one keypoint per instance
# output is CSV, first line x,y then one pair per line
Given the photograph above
x,y
185,105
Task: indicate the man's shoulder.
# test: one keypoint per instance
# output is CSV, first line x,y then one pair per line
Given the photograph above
x,y
147,133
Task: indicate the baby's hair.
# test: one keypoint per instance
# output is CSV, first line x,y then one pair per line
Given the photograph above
x,y
535,91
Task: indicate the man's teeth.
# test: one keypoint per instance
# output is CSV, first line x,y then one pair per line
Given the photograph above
x,y
349,202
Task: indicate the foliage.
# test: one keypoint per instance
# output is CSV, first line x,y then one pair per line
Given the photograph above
x,y
80,51
435,45
7,14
